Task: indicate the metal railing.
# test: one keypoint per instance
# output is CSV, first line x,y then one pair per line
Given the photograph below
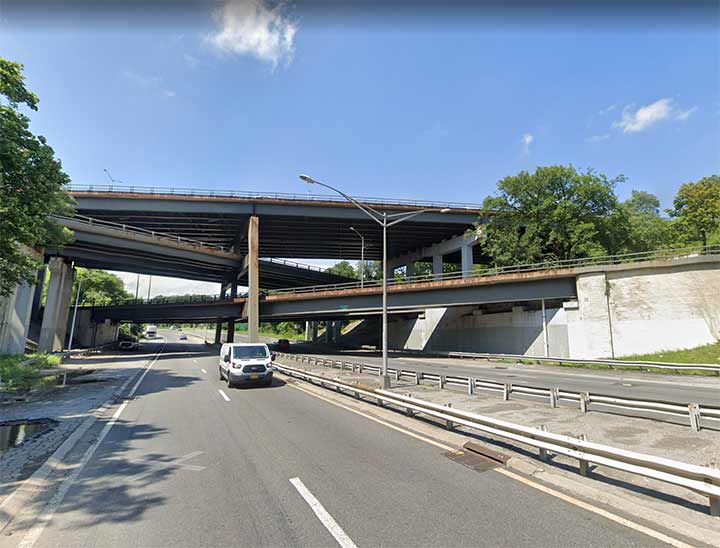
x,y
132,189
700,479
185,299
694,414
605,260
91,221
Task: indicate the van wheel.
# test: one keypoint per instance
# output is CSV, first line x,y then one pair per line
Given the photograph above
x,y
221,374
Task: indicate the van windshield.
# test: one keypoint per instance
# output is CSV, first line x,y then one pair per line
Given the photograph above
x,y
249,352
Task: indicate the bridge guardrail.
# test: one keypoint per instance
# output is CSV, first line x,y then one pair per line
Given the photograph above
x,y
132,189
697,415
700,479
606,260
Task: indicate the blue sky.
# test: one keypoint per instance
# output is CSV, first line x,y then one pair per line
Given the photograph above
x,y
241,96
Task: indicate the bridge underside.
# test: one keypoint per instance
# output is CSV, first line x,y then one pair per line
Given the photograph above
x,y
346,304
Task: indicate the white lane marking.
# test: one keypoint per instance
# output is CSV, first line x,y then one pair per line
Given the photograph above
x,y
567,498
323,515
201,369
223,394
594,509
52,505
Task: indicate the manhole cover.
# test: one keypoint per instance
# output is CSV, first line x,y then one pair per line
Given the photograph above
x,y
472,460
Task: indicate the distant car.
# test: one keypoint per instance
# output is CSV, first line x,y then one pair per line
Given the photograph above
x,y
128,343
183,337
283,345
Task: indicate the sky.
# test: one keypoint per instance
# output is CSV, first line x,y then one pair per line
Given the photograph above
x,y
409,102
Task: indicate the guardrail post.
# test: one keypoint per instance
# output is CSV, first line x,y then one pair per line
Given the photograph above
x,y
694,412
408,411
360,367
471,386
397,374
449,425
543,451
584,401
417,377
553,397
584,465
507,388
441,381
714,501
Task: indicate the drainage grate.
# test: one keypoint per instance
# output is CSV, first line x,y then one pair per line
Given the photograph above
x,y
472,460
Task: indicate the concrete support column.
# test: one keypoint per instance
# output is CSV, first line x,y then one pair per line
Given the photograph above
x,y
389,271
337,331
37,298
466,255
437,265
410,269
307,331
15,311
314,337
231,321
57,307
218,332
253,298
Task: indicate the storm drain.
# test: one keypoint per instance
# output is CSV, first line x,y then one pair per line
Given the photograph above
x,y
472,460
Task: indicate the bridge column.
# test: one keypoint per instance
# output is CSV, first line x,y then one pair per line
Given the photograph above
x,y
253,298
437,265
307,331
57,307
219,323
410,269
337,331
15,310
466,255
231,321
37,299
314,331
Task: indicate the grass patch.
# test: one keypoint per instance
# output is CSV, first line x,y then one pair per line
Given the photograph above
x,y
14,376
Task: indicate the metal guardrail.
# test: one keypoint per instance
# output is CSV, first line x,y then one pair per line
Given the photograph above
x,y
606,260
672,366
696,415
269,195
192,299
91,221
700,479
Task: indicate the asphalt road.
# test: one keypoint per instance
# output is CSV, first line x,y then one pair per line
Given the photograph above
x,y
649,386
185,465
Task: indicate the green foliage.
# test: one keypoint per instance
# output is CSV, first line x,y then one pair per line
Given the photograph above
x,y
697,210
99,286
14,376
32,184
373,270
648,231
343,268
554,213
131,329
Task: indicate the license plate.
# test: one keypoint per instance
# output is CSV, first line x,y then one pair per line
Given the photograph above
x,y
253,377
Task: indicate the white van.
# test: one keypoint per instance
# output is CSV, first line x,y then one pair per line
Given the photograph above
x,y
246,363
151,331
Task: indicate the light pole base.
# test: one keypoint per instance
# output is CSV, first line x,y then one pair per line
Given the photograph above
x,y
385,381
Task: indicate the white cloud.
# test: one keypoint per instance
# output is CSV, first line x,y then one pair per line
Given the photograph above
x,y
649,115
526,140
147,82
683,115
191,61
599,138
251,27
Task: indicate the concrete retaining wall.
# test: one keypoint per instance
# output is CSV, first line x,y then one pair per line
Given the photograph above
x,y
619,312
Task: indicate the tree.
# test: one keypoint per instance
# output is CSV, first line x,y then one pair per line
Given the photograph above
x,y
32,184
99,286
343,268
697,209
647,229
373,270
554,213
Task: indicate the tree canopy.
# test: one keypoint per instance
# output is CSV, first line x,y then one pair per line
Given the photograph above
x,y
556,212
697,209
32,183
343,268
99,286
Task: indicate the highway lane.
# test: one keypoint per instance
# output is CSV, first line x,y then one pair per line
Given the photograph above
x,y
185,466
626,384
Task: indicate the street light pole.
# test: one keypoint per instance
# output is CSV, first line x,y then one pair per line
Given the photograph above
x,y
72,327
383,219
362,256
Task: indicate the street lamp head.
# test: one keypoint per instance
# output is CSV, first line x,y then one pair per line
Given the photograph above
x,y
309,180
445,210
